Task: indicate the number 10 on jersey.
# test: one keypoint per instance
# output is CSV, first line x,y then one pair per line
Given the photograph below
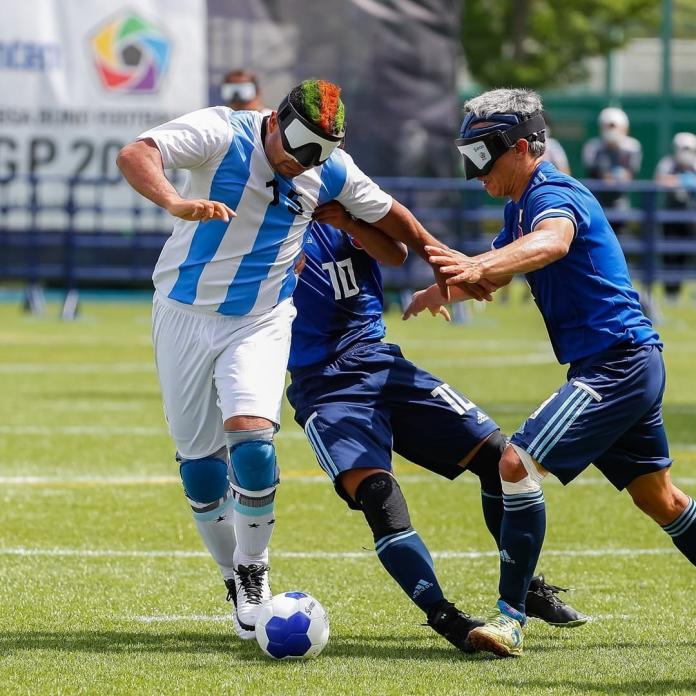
x,y
342,278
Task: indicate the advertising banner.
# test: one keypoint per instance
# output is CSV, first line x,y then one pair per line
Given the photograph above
x,y
79,79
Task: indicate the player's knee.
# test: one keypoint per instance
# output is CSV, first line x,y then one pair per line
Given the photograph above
x,y
383,504
205,480
253,459
485,463
511,467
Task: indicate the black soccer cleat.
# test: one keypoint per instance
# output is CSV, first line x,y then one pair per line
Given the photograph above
x,y
544,603
453,625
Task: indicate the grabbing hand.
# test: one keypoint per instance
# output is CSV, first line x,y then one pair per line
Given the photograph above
x,y
200,210
334,214
459,267
431,299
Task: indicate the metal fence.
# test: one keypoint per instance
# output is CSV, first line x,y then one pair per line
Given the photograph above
x,y
86,232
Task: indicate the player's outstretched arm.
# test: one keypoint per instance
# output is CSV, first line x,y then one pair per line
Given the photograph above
x,y
549,241
432,299
377,244
141,165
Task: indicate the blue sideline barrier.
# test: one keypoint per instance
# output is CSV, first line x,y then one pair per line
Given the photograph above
x,y
52,246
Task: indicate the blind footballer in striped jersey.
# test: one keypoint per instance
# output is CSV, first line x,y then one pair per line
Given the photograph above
x,y
246,266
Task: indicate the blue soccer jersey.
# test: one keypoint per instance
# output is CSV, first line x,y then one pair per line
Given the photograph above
x,y
338,297
586,298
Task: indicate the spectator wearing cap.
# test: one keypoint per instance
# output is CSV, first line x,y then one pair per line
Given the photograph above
x,y
613,157
678,172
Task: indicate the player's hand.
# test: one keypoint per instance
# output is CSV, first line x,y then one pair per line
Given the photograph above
x,y
300,264
459,267
334,214
431,299
200,210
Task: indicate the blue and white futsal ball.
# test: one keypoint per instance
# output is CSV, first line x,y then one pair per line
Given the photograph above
x,y
293,625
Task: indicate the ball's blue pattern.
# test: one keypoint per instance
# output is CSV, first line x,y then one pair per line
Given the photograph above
x,y
295,595
288,637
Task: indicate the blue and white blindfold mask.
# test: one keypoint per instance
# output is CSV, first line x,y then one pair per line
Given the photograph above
x,y
304,141
237,92
481,147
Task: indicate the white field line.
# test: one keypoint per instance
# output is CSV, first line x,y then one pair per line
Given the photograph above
x,y
171,618
538,358
299,476
321,555
145,431
106,368
174,618
294,476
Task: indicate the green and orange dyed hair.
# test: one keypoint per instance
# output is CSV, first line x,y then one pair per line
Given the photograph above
x,y
320,102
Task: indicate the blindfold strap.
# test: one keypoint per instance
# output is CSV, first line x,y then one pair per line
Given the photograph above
x,y
522,130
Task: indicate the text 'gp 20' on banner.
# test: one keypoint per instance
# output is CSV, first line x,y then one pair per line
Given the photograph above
x,y
80,79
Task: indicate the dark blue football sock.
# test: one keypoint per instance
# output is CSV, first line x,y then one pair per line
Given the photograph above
x,y
683,531
492,504
407,560
521,539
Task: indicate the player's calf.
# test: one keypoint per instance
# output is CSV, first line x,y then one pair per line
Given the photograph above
x,y
406,558
254,478
209,494
672,509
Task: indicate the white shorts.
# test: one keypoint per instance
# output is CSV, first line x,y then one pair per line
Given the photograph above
x,y
212,367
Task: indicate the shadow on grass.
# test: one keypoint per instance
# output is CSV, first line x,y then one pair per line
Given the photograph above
x,y
603,686
129,642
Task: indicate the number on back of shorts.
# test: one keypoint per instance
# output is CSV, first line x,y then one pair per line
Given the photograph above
x,y
459,403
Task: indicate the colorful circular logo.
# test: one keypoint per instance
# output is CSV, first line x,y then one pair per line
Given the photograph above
x,y
131,54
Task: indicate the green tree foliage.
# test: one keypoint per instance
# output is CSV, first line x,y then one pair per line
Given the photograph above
x,y
542,43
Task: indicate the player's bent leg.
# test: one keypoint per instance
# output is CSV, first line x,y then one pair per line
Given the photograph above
x,y
483,462
542,599
254,478
209,494
403,553
671,508
521,539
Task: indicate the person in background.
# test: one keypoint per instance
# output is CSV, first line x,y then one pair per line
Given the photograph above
x,y
613,157
554,150
240,91
678,172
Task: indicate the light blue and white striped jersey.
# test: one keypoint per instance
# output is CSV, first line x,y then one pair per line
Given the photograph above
x,y
246,266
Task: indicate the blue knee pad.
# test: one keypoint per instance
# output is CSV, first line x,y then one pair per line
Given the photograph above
x,y
205,480
254,464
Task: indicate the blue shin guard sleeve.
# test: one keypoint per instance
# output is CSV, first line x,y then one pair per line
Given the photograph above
x,y
254,464
521,539
205,480
406,558
683,531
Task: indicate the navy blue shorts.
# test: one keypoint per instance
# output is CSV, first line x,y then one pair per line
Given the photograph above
x,y
371,400
609,414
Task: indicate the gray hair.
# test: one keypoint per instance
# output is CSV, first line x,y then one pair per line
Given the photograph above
x,y
508,101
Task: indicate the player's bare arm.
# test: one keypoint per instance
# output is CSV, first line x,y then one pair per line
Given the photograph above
x,y
548,242
432,299
399,223
376,243
141,164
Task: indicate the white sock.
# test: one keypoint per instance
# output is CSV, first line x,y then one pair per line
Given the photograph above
x,y
217,532
254,519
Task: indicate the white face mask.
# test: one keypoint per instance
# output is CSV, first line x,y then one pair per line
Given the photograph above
x,y
685,158
612,136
